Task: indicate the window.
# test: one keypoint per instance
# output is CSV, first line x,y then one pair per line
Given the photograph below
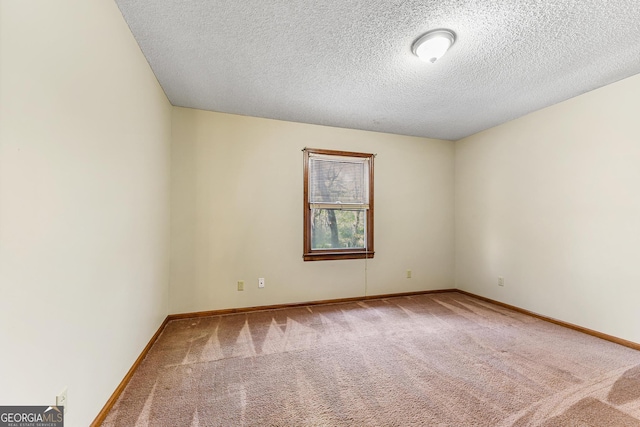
x,y
338,205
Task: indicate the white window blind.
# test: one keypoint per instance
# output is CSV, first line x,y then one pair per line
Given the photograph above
x,y
338,182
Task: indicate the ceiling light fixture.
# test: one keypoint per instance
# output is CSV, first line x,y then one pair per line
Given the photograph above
x,y
432,45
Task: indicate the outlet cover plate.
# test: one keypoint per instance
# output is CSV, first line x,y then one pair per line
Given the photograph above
x,y
61,400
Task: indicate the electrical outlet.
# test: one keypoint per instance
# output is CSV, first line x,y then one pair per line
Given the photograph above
x,y
261,282
241,285
408,274
500,281
61,400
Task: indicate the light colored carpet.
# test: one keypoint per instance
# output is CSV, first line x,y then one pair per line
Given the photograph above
x,y
430,360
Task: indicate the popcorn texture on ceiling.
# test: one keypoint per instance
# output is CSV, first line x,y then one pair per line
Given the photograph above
x,y
349,64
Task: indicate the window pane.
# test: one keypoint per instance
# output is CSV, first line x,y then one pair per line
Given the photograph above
x,y
335,181
334,228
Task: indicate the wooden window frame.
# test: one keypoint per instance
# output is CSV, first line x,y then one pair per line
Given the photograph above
x,y
310,254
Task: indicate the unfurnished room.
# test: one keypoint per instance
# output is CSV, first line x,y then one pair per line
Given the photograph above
x,y
300,213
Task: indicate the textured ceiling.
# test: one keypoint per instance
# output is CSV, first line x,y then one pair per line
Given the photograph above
x,y
349,63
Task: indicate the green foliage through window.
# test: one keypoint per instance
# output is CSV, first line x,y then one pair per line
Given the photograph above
x,y
332,229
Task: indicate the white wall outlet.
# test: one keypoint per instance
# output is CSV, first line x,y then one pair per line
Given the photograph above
x,y
261,282
241,285
500,281
408,274
61,400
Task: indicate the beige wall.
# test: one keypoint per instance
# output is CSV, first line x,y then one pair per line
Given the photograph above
x,y
84,222
551,201
237,213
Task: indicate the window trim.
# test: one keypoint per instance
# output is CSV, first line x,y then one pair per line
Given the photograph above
x,y
335,254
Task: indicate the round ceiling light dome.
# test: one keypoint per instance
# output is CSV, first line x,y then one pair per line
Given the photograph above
x,y
432,45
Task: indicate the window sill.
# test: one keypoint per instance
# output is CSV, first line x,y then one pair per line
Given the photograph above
x,y
327,256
